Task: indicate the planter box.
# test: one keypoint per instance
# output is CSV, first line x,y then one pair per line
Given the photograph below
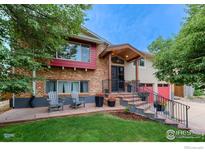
x,y
99,100
111,103
160,107
4,106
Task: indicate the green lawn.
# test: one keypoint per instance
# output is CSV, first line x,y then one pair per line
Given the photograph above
x,y
92,127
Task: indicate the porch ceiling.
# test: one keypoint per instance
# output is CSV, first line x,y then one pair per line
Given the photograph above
x,y
125,51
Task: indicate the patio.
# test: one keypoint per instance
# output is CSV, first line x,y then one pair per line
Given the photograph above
x,y
29,114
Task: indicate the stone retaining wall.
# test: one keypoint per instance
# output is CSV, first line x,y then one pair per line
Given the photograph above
x,y
4,106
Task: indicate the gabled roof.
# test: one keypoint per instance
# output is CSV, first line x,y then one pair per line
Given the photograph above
x,y
88,35
125,51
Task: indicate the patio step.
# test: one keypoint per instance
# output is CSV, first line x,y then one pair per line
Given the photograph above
x,y
162,120
171,123
131,99
149,114
141,107
128,96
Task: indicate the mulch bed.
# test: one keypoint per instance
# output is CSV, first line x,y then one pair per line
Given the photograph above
x,y
128,116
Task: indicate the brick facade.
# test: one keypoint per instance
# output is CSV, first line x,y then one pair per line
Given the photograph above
x,y
94,77
4,106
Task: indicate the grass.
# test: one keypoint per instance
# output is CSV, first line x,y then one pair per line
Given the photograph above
x,y
92,127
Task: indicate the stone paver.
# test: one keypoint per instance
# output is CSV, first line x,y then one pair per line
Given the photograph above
x,y
26,114
196,115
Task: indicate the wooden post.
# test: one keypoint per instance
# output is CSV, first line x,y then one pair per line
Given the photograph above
x,y
137,77
109,73
34,82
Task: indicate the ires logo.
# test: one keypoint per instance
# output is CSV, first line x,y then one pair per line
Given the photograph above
x,y
172,134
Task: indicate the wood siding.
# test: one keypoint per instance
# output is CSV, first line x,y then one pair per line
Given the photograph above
x,y
179,91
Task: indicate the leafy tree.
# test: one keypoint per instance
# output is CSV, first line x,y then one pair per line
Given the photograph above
x,y
29,34
181,59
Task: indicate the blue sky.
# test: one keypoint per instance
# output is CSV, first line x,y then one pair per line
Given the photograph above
x,y
138,25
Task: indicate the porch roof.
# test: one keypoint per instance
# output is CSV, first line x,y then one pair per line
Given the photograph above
x,y
125,51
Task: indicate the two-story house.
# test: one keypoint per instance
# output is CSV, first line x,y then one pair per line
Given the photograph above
x,y
88,64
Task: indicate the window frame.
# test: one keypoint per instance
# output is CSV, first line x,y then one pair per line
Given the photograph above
x,y
139,62
69,81
46,84
84,44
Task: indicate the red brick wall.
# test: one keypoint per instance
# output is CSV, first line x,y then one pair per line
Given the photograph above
x,y
94,77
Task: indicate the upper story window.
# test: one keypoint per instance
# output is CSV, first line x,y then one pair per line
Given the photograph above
x,y
142,62
76,52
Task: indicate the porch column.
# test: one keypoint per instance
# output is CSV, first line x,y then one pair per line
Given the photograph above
x,y
109,73
136,69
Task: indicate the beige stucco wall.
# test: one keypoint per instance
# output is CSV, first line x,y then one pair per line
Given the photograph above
x,y
146,74
130,71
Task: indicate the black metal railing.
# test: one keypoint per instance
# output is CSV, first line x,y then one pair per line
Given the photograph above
x,y
165,107
161,106
115,85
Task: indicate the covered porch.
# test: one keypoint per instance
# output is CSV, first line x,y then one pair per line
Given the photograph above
x,y
122,67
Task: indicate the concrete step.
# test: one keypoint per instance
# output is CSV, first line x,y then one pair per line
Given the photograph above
x,y
149,114
127,96
131,99
141,103
171,123
162,120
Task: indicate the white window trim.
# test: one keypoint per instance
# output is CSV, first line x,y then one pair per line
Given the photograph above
x,y
81,54
143,67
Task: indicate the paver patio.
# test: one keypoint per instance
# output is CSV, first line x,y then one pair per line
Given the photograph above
x,y
27,114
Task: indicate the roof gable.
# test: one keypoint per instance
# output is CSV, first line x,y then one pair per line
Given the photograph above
x,y
88,35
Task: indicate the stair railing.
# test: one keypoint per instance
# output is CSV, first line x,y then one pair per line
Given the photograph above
x,y
165,107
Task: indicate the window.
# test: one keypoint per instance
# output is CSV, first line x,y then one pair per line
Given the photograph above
x,y
148,85
76,52
117,60
163,85
83,86
142,62
63,87
85,53
51,85
75,86
142,85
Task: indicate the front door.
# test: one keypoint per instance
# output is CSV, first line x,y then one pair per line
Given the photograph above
x,y
117,78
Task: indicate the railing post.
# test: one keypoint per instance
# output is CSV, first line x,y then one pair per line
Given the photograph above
x,y
187,125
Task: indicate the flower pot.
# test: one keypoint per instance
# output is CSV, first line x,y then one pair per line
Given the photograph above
x,y
111,103
160,107
99,101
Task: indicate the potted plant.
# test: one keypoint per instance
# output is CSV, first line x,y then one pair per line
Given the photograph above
x,y
99,99
160,106
126,110
144,96
111,101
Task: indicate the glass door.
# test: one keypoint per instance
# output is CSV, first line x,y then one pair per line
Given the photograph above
x,y
117,78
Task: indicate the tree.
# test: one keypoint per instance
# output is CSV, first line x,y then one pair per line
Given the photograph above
x,y
29,34
181,59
